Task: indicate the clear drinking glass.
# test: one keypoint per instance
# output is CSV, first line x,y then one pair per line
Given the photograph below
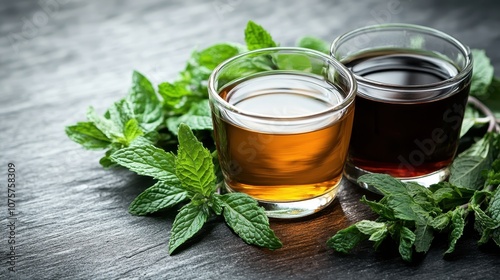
x,y
413,85
282,123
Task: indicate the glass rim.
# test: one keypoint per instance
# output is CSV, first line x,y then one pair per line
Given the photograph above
x,y
464,49
346,102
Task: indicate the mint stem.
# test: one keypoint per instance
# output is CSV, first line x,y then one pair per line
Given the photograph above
x,y
493,126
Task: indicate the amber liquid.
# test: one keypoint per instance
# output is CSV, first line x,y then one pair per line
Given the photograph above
x,y
282,162
407,133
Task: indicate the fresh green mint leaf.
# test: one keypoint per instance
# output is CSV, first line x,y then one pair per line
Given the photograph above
x,y
197,118
370,227
467,169
440,222
423,237
457,228
147,161
187,223
160,196
376,231
406,241
256,37
214,55
449,196
120,113
380,207
398,198
175,95
384,183
106,126
88,135
132,130
144,103
194,166
313,43
346,239
482,74
248,220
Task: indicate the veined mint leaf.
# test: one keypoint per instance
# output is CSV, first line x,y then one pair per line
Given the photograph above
x,y
257,37
212,56
144,103
423,237
106,126
397,197
482,74
406,240
194,166
457,228
160,196
148,161
88,135
440,222
175,94
369,227
314,43
380,207
120,113
467,168
384,183
346,239
197,118
187,223
248,220
132,130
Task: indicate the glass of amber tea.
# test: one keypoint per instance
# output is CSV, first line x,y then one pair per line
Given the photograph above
x,y
282,123
413,85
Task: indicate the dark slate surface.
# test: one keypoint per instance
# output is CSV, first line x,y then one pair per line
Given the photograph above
x,y
59,56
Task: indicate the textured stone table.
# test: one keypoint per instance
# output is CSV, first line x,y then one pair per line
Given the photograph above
x,y
58,57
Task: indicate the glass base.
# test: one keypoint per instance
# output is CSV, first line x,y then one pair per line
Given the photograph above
x,y
296,209
352,173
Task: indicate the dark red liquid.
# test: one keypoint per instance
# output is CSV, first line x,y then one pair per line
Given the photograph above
x,y
406,133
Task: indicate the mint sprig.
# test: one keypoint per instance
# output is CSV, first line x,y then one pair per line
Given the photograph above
x,y
190,175
413,214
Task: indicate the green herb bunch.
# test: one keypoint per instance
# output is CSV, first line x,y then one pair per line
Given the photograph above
x,y
165,132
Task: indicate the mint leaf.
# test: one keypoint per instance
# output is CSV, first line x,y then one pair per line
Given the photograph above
x,y
212,56
440,222
423,237
398,198
175,95
197,118
346,239
194,166
257,37
406,240
248,220
314,43
160,196
384,183
380,207
106,126
187,223
457,228
88,135
120,113
482,74
144,103
148,161
132,130
466,169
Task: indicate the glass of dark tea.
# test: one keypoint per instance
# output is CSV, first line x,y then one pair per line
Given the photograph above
x,y
413,85
282,124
